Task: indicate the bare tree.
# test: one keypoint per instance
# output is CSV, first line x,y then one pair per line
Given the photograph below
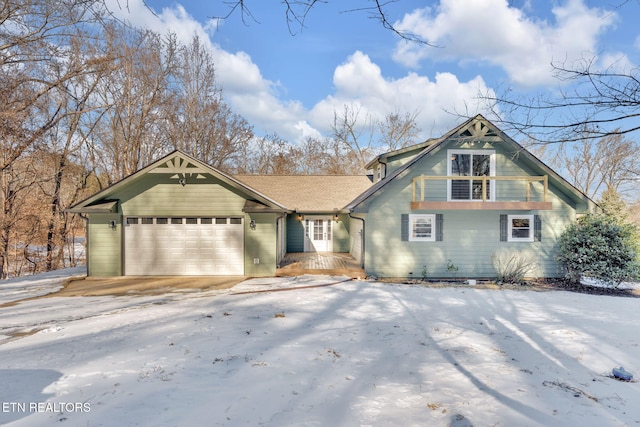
x,y
16,182
398,130
272,155
135,95
42,65
353,136
33,37
596,103
610,163
297,11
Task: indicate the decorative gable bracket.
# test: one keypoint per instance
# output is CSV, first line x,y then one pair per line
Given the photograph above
x,y
180,168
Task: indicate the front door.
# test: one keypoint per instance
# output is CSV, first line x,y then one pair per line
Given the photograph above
x,y
318,236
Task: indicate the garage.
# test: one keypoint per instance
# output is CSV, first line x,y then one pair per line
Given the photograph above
x,y
173,246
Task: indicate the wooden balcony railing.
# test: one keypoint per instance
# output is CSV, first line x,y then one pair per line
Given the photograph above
x,y
491,193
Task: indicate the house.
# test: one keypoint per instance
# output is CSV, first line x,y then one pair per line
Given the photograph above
x,y
179,216
445,206
448,206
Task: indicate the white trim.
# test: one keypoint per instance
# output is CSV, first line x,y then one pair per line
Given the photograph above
x,y
510,237
327,226
413,218
492,172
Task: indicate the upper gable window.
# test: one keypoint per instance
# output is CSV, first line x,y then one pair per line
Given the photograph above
x,y
470,163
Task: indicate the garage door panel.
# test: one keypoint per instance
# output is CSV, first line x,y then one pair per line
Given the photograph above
x,y
206,244
184,246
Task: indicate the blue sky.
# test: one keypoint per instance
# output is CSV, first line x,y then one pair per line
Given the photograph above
x,y
292,84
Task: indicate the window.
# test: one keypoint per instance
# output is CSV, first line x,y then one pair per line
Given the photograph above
x,y
162,221
176,220
132,220
206,220
470,163
520,228
235,220
422,228
147,220
191,221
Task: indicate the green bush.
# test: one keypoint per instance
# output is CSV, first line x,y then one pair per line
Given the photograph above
x,y
598,247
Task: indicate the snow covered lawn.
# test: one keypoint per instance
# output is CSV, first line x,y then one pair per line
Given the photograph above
x,y
352,354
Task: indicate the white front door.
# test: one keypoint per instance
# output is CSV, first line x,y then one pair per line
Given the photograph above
x,y
318,235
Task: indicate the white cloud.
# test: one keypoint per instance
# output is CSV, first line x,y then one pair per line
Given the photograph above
x,y
175,19
615,62
245,89
360,83
492,32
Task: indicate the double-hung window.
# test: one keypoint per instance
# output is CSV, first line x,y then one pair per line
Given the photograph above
x,y
422,228
470,163
520,228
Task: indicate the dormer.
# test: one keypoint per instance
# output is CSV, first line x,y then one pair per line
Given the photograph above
x,y
384,164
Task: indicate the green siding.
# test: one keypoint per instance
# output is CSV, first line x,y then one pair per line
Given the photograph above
x,y
341,240
295,234
398,161
340,230
104,245
260,244
157,194
470,237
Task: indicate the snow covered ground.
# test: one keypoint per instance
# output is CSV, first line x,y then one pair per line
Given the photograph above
x,y
355,353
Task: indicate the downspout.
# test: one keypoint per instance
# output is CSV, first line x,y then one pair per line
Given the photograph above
x,y
361,239
279,233
385,169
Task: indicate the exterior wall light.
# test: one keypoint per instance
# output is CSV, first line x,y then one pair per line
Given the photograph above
x,y
252,224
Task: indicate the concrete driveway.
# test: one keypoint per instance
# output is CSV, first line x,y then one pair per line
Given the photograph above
x,y
143,285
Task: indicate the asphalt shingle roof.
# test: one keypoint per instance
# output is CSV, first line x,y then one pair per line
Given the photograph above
x,y
309,193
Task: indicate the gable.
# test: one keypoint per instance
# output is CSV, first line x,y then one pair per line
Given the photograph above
x,y
174,184
477,135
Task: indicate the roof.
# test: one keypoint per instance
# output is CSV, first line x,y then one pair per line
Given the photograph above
x,y
177,163
309,193
462,130
415,147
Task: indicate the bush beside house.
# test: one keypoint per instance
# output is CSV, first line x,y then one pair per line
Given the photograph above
x,y
599,247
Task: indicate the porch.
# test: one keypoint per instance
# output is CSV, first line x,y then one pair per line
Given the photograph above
x,y
329,263
480,193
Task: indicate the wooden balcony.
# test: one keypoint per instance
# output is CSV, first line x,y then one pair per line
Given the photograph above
x,y
482,193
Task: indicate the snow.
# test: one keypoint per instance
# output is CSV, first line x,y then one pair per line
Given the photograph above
x,y
354,353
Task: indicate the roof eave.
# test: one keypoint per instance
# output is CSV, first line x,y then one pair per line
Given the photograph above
x,y
228,179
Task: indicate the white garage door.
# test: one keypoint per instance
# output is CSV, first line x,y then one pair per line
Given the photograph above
x,y
198,246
